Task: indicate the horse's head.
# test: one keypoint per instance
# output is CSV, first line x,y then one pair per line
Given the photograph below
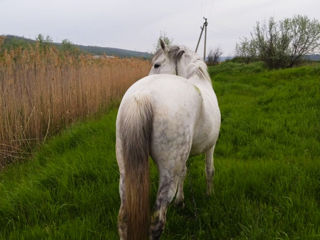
x,y
177,60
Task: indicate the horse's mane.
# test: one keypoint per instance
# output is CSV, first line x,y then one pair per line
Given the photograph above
x,y
196,64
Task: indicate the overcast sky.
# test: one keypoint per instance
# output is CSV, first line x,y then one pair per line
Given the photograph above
x,y
137,24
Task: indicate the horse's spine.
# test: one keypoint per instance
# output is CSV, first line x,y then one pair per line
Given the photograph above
x,y
135,130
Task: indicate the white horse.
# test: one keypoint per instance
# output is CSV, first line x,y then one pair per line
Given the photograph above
x,y
168,115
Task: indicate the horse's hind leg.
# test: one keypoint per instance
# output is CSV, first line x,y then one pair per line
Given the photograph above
x,y
180,195
209,169
167,189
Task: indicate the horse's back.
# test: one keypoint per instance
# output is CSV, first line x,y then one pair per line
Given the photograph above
x,y
176,106
170,95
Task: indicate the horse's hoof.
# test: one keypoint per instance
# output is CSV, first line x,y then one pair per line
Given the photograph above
x,y
156,230
179,204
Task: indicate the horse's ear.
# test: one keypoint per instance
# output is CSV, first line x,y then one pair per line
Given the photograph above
x,y
163,45
180,53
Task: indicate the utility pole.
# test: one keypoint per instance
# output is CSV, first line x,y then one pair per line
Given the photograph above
x,y
204,27
199,39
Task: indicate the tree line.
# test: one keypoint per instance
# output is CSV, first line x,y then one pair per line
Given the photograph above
x,y
281,44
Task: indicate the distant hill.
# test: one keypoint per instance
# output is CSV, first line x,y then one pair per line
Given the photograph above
x,y
315,57
113,51
225,58
95,50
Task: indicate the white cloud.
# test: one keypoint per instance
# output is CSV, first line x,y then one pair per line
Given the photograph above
x,y
137,24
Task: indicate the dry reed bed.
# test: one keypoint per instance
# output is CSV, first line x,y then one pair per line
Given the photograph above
x,y
42,90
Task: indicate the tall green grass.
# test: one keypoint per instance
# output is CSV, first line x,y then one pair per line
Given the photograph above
x,y
268,114
267,182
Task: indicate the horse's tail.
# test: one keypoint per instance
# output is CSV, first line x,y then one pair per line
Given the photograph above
x,y
135,130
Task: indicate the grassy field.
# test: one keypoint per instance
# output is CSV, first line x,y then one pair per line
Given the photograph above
x,y
267,183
